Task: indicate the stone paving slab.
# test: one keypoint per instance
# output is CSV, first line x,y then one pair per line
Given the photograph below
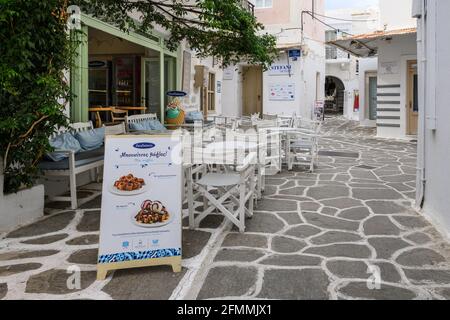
x,y
313,236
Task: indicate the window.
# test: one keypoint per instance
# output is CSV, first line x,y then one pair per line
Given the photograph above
x,y
212,93
263,4
331,52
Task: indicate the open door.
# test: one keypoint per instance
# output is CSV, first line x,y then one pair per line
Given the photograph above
x,y
412,98
151,91
252,90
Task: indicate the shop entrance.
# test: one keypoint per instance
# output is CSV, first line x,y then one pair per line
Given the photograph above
x,y
371,96
334,96
252,90
412,98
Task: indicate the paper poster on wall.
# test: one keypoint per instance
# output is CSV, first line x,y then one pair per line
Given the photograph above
x,y
141,204
281,70
228,73
389,68
282,92
219,86
187,60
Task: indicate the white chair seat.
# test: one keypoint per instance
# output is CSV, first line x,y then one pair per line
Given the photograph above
x,y
219,179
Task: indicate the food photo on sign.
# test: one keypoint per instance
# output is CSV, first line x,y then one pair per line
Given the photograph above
x,y
141,205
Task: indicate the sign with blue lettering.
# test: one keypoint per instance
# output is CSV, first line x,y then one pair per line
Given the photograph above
x,y
141,204
296,53
281,70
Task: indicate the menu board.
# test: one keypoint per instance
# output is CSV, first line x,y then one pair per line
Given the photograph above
x,y
141,204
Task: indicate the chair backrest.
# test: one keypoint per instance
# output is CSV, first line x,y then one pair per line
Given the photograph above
x,y
267,123
80,126
118,114
310,125
270,117
74,127
139,118
117,129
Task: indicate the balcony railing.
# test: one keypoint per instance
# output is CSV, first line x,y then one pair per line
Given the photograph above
x,y
247,5
333,53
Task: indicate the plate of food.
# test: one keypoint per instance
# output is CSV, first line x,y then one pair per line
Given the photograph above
x,y
129,185
152,214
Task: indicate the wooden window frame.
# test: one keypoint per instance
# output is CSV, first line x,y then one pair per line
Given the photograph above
x,y
211,92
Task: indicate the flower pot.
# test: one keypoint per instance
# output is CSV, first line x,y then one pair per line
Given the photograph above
x,y
21,208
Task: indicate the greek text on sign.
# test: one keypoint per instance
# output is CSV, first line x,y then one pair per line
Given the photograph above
x,y
141,204
281,69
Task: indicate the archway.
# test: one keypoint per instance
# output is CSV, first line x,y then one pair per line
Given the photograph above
x,y
334,96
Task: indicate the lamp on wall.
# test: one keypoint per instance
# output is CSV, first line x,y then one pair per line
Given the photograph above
x,y
74,20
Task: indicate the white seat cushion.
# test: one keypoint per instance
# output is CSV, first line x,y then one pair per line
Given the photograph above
x,y
219,179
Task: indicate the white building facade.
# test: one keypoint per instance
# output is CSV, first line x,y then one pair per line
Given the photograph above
x,y
295,81
392,103
351,73
433,194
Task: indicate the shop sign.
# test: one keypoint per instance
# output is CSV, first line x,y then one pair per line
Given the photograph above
x,y
141,204
281,70
228,73
295,53
389,68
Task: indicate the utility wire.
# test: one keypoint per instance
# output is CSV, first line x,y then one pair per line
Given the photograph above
x,y
346,20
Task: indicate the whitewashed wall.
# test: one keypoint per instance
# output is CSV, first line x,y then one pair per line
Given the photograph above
x,y
434,145
303,77
396,14
399,50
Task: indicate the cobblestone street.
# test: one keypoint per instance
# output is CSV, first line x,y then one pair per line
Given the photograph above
x,y
313,236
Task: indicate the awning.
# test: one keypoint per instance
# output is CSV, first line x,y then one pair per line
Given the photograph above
x,y
365,45
288,46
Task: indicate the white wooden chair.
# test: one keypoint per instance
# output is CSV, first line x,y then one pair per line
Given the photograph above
x,y
139,118
302,149
114,130
237,186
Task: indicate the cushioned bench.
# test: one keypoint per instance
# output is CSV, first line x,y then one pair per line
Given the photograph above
x,y
81,159
73,164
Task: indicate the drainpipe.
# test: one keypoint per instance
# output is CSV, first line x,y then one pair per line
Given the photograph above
x,y
422,71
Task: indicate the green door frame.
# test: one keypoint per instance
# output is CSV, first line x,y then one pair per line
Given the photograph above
x,y
79,108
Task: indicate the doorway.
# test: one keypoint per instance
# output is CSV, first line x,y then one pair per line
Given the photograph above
x,y
334,96
151,95
252,90
371,95
412,106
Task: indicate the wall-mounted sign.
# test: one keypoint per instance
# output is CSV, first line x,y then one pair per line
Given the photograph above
x,y
219,87
389,68
295,53
228,73
186,81
97,64
141,204
281,70
176,94
282,92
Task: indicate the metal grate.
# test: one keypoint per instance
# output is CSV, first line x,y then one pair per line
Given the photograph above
x,y
342,154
